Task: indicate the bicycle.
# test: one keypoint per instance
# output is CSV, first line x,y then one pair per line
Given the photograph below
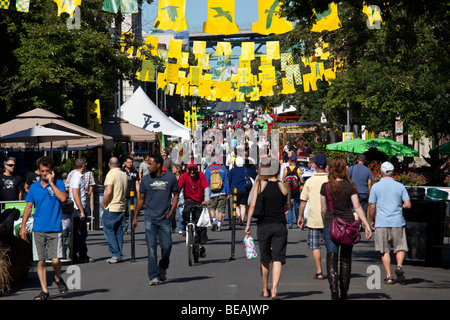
x,y
191,236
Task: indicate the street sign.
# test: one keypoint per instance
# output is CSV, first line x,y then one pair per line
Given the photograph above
x,y
398,126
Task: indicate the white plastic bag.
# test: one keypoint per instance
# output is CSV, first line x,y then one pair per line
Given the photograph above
x,y
250,249
205,219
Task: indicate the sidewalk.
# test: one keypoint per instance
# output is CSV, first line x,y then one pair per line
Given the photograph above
x,y
217,278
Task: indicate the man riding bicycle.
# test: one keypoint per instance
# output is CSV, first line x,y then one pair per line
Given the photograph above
x,y
196,191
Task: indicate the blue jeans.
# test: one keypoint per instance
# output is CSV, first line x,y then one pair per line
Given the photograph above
x,y
346,251
158,232
293,212
180,215
112,229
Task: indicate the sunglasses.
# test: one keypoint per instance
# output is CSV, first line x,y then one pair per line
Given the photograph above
x,y
10,165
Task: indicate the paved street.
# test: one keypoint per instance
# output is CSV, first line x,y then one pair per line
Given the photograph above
x,y
217,278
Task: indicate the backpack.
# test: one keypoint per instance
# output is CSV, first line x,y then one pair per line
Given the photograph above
x,y
215,181
292,179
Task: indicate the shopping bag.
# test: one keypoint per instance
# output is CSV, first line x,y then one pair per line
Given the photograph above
x,y
250,249
205,219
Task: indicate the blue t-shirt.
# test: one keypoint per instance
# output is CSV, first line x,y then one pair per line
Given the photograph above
x,y
389,196
47,207
158,192
237,178
360,174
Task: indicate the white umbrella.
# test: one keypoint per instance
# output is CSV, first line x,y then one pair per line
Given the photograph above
x,y
38,134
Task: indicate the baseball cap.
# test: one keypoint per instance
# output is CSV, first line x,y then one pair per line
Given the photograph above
x,y
387,167
239,162
293,157
320,160
191,164
362,157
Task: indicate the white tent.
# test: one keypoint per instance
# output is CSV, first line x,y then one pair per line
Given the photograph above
x,y
279,110
140,110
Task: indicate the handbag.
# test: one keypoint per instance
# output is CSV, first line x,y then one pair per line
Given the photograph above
x,y
248,181
259,210
343,232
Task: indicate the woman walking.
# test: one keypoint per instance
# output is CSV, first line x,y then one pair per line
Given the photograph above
x,y
272,231
343,195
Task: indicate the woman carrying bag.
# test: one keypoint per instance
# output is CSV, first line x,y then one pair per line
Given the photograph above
x,y
337,198
272,230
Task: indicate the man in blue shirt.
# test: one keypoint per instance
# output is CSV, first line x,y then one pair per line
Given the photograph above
x,y
159,190
388,198
47,196
219,195
362,178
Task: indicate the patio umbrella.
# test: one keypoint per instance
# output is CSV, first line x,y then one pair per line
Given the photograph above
x,y
385,145
444,149
39,134
344,146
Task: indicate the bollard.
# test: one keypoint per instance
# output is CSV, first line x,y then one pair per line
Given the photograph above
x,y
233,225
131,214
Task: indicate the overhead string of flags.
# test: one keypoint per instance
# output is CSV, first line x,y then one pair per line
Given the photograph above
x,y
256,76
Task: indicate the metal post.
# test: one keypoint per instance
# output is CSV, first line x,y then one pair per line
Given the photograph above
x,y
131,214
233,225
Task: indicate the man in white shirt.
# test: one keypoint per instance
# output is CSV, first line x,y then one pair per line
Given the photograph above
x,y
77,193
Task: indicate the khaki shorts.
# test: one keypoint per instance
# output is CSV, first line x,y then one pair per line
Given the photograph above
x,y
47,245
387,238
218,203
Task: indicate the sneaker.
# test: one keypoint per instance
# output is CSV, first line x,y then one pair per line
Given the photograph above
x,y
154,282
202,252
162,274
214,226
219,229
113,260
180,232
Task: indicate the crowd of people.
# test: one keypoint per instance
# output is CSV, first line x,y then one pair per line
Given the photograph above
x,y
166,191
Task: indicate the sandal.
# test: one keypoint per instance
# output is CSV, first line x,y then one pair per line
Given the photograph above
x,y
319,276
389,280
42,296
400,275
62,286
263,296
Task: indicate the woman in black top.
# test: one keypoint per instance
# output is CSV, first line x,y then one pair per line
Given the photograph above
x,y
272,231
343,196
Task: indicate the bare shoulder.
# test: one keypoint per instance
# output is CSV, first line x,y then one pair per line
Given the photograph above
x,y
283,187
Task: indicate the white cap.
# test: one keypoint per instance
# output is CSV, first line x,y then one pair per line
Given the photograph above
x,y
387,167
239,162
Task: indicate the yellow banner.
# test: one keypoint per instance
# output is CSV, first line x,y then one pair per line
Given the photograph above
x,y
327,20
270,20
94,117
220,18
171,15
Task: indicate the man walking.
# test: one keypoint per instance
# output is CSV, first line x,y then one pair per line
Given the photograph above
x,y
10,188
311,193
388,197
77,193
293,178
113,206
133,186
47,196
362,178
156,190
217,178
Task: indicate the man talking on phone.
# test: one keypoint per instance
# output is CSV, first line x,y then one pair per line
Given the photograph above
x,y
47,196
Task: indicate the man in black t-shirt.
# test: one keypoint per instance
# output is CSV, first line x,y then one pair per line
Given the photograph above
x,y
10,188
133,185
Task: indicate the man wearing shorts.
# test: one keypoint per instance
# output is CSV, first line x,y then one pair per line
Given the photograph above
x,y
388,197
47,196
218,198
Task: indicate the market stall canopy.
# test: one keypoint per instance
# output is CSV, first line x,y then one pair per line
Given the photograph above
x,y
122,130
40,117
229,106
281,109
140,111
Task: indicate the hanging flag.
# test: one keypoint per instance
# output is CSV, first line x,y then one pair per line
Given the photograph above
x,y
203,62
147,72
286,60
129,6
266,89
184,61
175,46
67,6
267,75
4,4
126,43
270,20
111,6
373,13
195,74
171,15
287,89
327,20
161,81
172,72
220,18
293,72
273,50
199,48
94,118
187,119
247,51
223,48
23,5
